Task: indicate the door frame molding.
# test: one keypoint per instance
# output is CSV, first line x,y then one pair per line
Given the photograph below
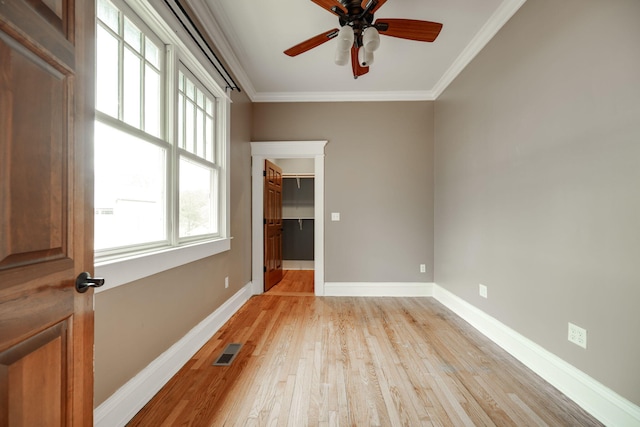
x,y
261,151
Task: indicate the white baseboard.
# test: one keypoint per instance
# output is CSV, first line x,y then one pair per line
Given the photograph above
x,y
298,265
122,406
377,289
603,403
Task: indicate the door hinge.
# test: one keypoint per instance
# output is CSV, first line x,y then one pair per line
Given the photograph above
x,y
265,221
264,173
265,268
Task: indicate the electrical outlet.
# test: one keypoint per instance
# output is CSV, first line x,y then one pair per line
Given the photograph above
x,y
423,268
577,335
226,282
482,289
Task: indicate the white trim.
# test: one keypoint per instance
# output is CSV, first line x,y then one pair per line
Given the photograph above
x,y
158,17
603,403
600,401
378,289
499,18
205,13
260,151
288,149
209,16
347,96
121,407
125,270
295,264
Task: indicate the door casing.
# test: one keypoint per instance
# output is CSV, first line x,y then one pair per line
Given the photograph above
x,y
261,151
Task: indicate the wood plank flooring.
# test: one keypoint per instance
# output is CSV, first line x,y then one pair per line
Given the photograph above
x,y
338,361
294,282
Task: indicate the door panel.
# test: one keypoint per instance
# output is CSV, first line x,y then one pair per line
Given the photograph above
x,y
36,214
272,225
46,218
22,374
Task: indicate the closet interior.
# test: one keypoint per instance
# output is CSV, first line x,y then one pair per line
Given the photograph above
x,y
298,221
298,212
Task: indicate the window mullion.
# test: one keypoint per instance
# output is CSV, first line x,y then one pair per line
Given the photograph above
x,y
121,48
136,158
171,114
143,85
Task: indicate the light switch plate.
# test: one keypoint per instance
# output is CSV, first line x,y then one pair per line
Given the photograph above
x,y
335,216
482,290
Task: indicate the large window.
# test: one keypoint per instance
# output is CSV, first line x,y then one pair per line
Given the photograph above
x,y
160,141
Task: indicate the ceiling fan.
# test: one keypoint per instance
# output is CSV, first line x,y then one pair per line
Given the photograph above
x,y
359,35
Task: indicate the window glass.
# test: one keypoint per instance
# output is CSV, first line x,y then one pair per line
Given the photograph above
x,y
128,71
196,130
130,195
198,173
198,201
132,36
107,68
131,105
108,15
158,178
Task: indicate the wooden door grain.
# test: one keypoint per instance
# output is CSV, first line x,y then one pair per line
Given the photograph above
x,y
46,218
272,225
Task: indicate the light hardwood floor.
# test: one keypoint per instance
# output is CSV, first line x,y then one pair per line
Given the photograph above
x,y
295,283
356,362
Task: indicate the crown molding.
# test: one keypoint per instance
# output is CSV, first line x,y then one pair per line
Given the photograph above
x,y
210,13
344,96
500,17
205,12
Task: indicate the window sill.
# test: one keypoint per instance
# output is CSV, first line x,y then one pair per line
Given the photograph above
x,y
126,270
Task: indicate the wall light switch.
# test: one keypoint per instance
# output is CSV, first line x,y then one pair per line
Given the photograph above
x,y
335,216
482,290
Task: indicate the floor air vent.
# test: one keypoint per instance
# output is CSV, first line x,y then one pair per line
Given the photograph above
x,y
227,355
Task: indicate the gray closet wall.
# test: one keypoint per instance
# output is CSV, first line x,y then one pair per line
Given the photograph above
x,y
298,222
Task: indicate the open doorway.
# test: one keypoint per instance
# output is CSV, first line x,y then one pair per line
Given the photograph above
x,y
261,151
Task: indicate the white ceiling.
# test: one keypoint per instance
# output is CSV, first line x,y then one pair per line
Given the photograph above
x,y
252,35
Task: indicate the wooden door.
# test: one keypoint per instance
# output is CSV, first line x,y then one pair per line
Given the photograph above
x,y
272,225
46,218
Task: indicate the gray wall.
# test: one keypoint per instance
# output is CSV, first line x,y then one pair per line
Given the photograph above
x,y
135,323
537,187
378,175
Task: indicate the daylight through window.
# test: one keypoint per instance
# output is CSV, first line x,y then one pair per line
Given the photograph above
x,y
159,150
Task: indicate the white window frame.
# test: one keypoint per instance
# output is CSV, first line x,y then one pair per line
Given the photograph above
x,y
122,269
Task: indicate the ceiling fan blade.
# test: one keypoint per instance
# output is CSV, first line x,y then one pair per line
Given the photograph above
x,y
411,29
355,65
376,7
311,43
328,4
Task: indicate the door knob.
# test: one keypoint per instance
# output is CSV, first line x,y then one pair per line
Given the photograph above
x,y
84,281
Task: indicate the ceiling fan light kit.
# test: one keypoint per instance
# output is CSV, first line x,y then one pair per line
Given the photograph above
x,y
371,39
346,38
359,34
342,57
365,57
